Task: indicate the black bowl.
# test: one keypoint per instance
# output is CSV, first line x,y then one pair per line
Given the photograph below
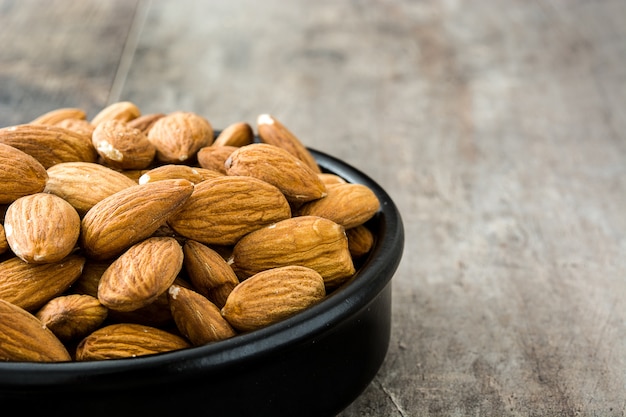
x,y
313,364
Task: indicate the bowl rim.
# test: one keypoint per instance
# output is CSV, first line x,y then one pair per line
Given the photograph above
x,y
372,276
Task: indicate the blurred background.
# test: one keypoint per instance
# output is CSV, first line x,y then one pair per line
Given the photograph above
x,y
498,128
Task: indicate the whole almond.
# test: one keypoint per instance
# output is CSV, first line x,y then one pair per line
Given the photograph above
x,y
56,116
274,165
73,316
80,126
83,184
121,146
197,318
272,131
145,122
273,295
348,204
130,215
41,228
127,340
214,157
20,174
30,286
49,145
124,111
4,245
329,179
310,241
178,136
174,171
209,272
222,210
360,241
236,134
24,338
141,274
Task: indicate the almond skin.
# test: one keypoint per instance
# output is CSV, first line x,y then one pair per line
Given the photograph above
x,y
124,111
83,184
72,317
236,134
178,136
197,318
349,205
24,338
272,131
56,116
80,126
141,274
129,216
360,241
273,295
41,228
4,245
274,165
310,241
49,145
222,210
214,157
30,286
209,272
121,146
174,171
127,340
145,122
20,174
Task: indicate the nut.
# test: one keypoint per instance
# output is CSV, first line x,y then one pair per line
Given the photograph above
x,y
121,146
20,174
124,111
72,317
178,136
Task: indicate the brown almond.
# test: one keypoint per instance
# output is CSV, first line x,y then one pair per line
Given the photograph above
x,y
145,122
274,165
80,126
24,338
310,241
127,340
83,184
214,157
20,174
222,210
41,228
124,111
49,145
174,171
209,272
4,245
178,136
30,286
273,295
236,134
56,116
272,131
141,274
130,215
121,146
73,316
329,179
197,318
360,241
350,205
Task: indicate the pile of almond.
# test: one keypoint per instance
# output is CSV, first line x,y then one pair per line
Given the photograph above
x,y
132,234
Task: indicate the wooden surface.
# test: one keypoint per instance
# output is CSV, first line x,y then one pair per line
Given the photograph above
x,y
498,128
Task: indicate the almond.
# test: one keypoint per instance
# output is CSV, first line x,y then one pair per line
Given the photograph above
x,y
360,241
209,272
274,165
174,171
121,146
141,274
273,295
56,116
275,133
127,340
41,228
222,210
30,286
129,216
80,126
49,145
24,338
145,122
71,317
178,136
236,134
4,245
214,157
197,318
310,241
350,205
329,179
20,174
83,184
124,111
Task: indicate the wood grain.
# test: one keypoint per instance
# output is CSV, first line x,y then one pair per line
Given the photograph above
x,y
497,128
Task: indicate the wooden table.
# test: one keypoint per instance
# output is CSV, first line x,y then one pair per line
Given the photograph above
x,y
498,128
